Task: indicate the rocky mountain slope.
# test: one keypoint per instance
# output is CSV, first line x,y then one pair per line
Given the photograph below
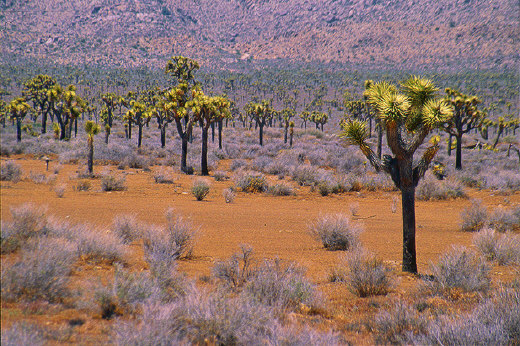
x,y
391,33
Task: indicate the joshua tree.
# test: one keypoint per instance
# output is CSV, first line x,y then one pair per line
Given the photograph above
x,y
466,117
319,118
287,115
291,133
182,70
18,109
305,116
138,115
207,110
36,90
92,129
111,101
261,113
66,107
407,119
3,112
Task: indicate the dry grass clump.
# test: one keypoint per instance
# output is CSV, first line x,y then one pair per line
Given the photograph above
x,y
503,248
251,182
474,217
10,171
365,274
336,232
229,195
459,270
27,222
111,182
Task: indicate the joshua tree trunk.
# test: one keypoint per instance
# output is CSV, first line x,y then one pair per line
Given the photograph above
x,y
75,127
129,129
450,139
379,140
204,157
285,132
44,123
458,153
408,206
212,132
291,138
497,138
90,160
261,134
18,129
140,136
220,134
163,135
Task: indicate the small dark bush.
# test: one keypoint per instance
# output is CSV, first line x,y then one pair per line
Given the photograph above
x,y
220,176
200,189
336,232
83,185
163,176
430,188
10,171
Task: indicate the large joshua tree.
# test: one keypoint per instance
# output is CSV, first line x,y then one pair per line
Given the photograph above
x,y
466,117
207,110
407,118
182,70
92,129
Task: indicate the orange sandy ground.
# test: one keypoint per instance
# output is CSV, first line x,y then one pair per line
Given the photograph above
x,y
273,226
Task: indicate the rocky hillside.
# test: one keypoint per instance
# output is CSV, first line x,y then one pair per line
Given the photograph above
x,y
392,33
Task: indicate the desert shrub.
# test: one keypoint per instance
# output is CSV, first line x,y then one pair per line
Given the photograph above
x,y
336,232
83,185
306,175
10,171
295,336
365,274
98,246
282,285
398,324
220,176
163,176
238,164
503,220
22,334
126,293
431,188
474,217
60,190
27,222
324,188
280,190
126,228
136,161
199,318
504,248
251,182
200,189
37,178
459,269
41,273
237,270
375,182
461,331
174,241
110,182
229,195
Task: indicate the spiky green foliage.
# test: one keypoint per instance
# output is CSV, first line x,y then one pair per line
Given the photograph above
x,y
91,128
35,90
182,69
